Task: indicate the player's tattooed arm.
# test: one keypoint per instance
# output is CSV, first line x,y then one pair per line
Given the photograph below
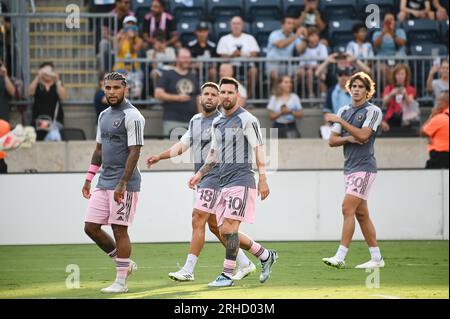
x,y
130,166
97,155
210,162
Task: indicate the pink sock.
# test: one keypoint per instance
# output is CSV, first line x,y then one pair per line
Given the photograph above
x,y
122,269
259,251
228,267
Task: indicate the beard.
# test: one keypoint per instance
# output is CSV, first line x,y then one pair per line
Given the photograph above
x,y
208,108
229,105
118,102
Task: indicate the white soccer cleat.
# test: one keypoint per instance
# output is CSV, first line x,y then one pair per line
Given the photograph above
x,y
181,275
243,272
371,264
334,262
132,268
115,288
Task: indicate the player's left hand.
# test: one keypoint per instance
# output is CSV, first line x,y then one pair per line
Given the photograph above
x,y
119,192
263,189
194,180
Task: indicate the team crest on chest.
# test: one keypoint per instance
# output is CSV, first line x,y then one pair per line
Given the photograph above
x,y
116,123
360,117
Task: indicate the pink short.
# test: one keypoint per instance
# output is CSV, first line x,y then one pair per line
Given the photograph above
x,y
103,210
358,184
206,200
238,203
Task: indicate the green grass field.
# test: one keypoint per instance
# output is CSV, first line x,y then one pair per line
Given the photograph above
x,y
414,269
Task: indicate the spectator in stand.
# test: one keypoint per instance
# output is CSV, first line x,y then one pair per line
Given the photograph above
x,y
328,69
437,86
158,18
48,92
338,96
226,71
5,35
311,48
4,129
439,11
160,52
284,108
402,110
360,48
281,45
178,91
202,47
100,102
121,10
436,129
239,44
129,45
7,91
415,9
389,42
310,17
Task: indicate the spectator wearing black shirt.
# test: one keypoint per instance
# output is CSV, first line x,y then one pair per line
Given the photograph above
x,y
201,47
159,18
7,90
415,9
100,102
48,92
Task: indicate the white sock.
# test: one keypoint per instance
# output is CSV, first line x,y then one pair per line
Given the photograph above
x,y
242,259
191,261
341,253
375,253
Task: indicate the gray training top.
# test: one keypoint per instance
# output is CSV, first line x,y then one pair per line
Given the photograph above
x,y
198,137
234,138
359,158
118,128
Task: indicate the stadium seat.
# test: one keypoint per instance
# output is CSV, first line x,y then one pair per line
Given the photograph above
x,y
338,9
194,9
186,30
444,32
340,31
141,8
261,29
427,49
262,8
225,8
386,6
222,27
73,134
293,7
421,31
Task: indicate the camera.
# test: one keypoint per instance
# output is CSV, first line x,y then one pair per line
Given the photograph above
x,y
239,47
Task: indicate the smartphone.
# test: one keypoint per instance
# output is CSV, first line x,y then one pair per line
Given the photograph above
x,y
435,55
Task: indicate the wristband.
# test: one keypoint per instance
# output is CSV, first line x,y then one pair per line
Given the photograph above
x,y
93,169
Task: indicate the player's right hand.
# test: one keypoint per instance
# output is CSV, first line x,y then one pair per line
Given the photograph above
x,y
152,160
194,180
86,191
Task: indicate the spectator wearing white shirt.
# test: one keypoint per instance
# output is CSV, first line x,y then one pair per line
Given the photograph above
x,y
312,48
360,48
239,44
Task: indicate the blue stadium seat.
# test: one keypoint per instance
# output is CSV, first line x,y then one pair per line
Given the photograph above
x,y
180,10
225,8
340,31
221,27
261,29
444,31
421,31
262,8
427,49
338,9
186,30
386,6
293,7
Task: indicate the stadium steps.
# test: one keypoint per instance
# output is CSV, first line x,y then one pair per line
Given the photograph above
x,y
72,51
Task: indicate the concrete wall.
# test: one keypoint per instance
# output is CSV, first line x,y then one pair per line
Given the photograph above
x,y
303,205
292,154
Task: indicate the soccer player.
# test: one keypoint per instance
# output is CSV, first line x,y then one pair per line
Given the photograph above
x,y
355,127
198,137
234,134
113,202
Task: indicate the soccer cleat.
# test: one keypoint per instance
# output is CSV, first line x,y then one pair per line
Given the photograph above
x,y
334,262
115,288
221,281
266,266
181,275
132,268
243,272
371,264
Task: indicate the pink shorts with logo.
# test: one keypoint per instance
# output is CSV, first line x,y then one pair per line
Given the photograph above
x,y
103,210
358,184
206,200
238,203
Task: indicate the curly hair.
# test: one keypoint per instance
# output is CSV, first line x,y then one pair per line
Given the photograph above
x,y
116,76
366,80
